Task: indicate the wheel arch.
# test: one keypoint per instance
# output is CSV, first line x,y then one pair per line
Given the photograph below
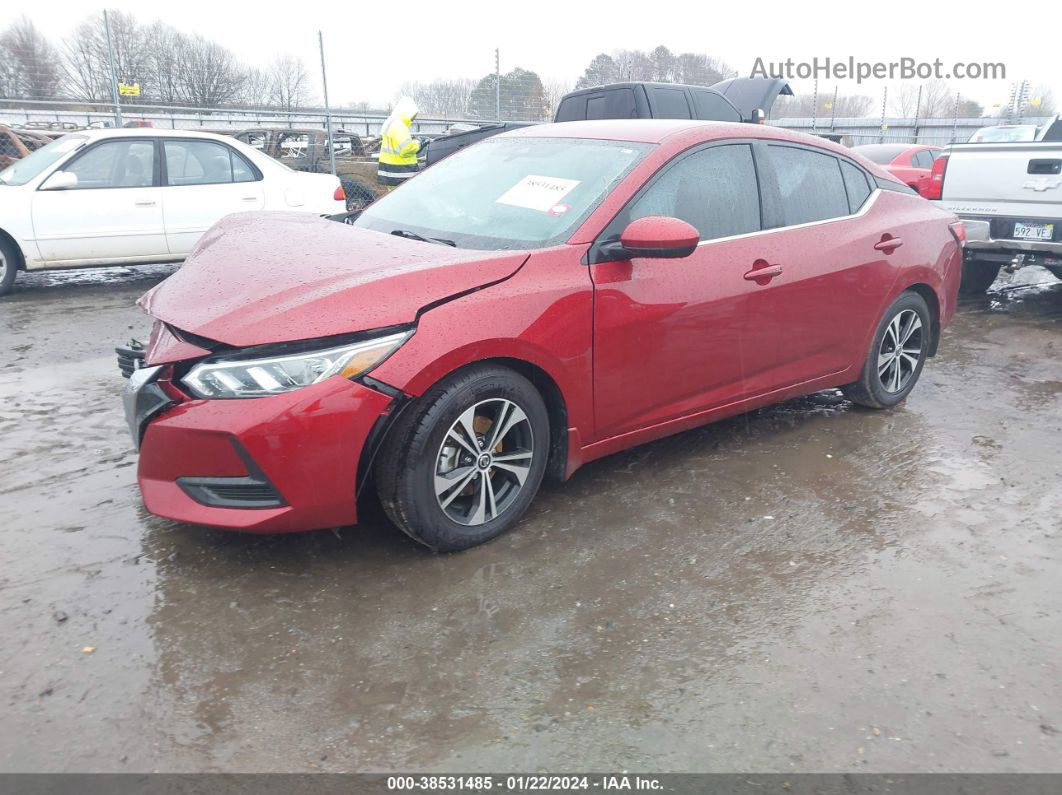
x,y
556,408
7,237
929,295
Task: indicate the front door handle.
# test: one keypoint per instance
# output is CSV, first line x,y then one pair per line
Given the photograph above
x,y
765,273
145,203
250,198
888,244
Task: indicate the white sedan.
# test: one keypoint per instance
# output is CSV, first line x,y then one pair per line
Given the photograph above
x,y
121,197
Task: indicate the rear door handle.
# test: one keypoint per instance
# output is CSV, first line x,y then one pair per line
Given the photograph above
x,y
888,245
144,203
768,272
250,198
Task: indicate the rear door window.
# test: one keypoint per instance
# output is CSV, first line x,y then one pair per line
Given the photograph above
x,y
810,185
714,190
669,103
615,104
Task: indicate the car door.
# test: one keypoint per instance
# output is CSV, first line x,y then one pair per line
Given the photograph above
x,y
674,337
832,275
112,214
204,182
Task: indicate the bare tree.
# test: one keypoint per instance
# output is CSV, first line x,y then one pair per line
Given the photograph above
x,y
85,58
30,65
256,87
845,106
554,90
447,98
289,83
210,75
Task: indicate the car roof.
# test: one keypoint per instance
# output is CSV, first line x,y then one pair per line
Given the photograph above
x,y
145,132
681,133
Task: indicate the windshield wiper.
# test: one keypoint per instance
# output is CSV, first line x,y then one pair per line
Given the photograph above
x,y
414,236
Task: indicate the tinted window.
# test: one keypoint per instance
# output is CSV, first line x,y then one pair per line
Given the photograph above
x,y
855,182
809,184
714,190
572,109
615,104
924,159
670,103
204,163
115,164
710,105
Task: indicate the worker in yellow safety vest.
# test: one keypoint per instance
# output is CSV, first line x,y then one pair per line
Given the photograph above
x,y
398,148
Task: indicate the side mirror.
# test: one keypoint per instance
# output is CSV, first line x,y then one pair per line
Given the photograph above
x,y
60,180
758,116
655,237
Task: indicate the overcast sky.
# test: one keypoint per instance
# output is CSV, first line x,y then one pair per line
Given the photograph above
x,y
369,54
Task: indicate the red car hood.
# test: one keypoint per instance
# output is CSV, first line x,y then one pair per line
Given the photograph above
x,y
279,277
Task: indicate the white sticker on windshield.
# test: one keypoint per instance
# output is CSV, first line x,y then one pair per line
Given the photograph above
x,y
538,193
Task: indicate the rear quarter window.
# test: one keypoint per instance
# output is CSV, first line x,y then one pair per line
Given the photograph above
x,y
856,184
810,185
572,109
713,107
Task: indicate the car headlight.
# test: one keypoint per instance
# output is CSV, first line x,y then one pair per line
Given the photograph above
x,y
235,376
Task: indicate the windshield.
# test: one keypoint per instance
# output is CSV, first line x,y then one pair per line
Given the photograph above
x,y
507,193
1024,132
22,171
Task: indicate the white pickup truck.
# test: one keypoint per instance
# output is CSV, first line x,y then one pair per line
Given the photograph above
x,y
1009,197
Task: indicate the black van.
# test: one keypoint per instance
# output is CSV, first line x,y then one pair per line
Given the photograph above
x,y
742,99
737,99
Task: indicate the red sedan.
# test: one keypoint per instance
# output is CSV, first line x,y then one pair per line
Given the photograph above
x,y
909,163
534,302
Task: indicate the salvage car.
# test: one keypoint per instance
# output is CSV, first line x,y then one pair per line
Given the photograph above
x,y
542,299
909,163
306,149
122,197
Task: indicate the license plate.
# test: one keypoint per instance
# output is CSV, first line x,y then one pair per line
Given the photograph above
x,y
1034,231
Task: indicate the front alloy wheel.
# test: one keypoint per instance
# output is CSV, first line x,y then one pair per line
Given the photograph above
x,y
484,461
463,462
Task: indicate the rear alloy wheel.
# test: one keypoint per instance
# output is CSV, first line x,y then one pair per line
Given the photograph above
x,y
977,276
462,463
8,266
896,355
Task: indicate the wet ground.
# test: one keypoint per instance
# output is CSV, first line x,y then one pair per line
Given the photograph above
x,y
811,587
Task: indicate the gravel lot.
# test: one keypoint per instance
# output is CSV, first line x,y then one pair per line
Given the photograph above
x,y
810,587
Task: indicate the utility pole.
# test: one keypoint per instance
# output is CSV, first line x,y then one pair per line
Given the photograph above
x,y
114,76
918,112
328,110
833,109
815,107
497,84
884,101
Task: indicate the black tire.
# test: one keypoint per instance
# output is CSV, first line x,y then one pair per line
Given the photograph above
x,y
879,388
359,195
9,264
977,276
421,451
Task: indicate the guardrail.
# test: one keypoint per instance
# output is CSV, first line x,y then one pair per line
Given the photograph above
x,y
857,131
